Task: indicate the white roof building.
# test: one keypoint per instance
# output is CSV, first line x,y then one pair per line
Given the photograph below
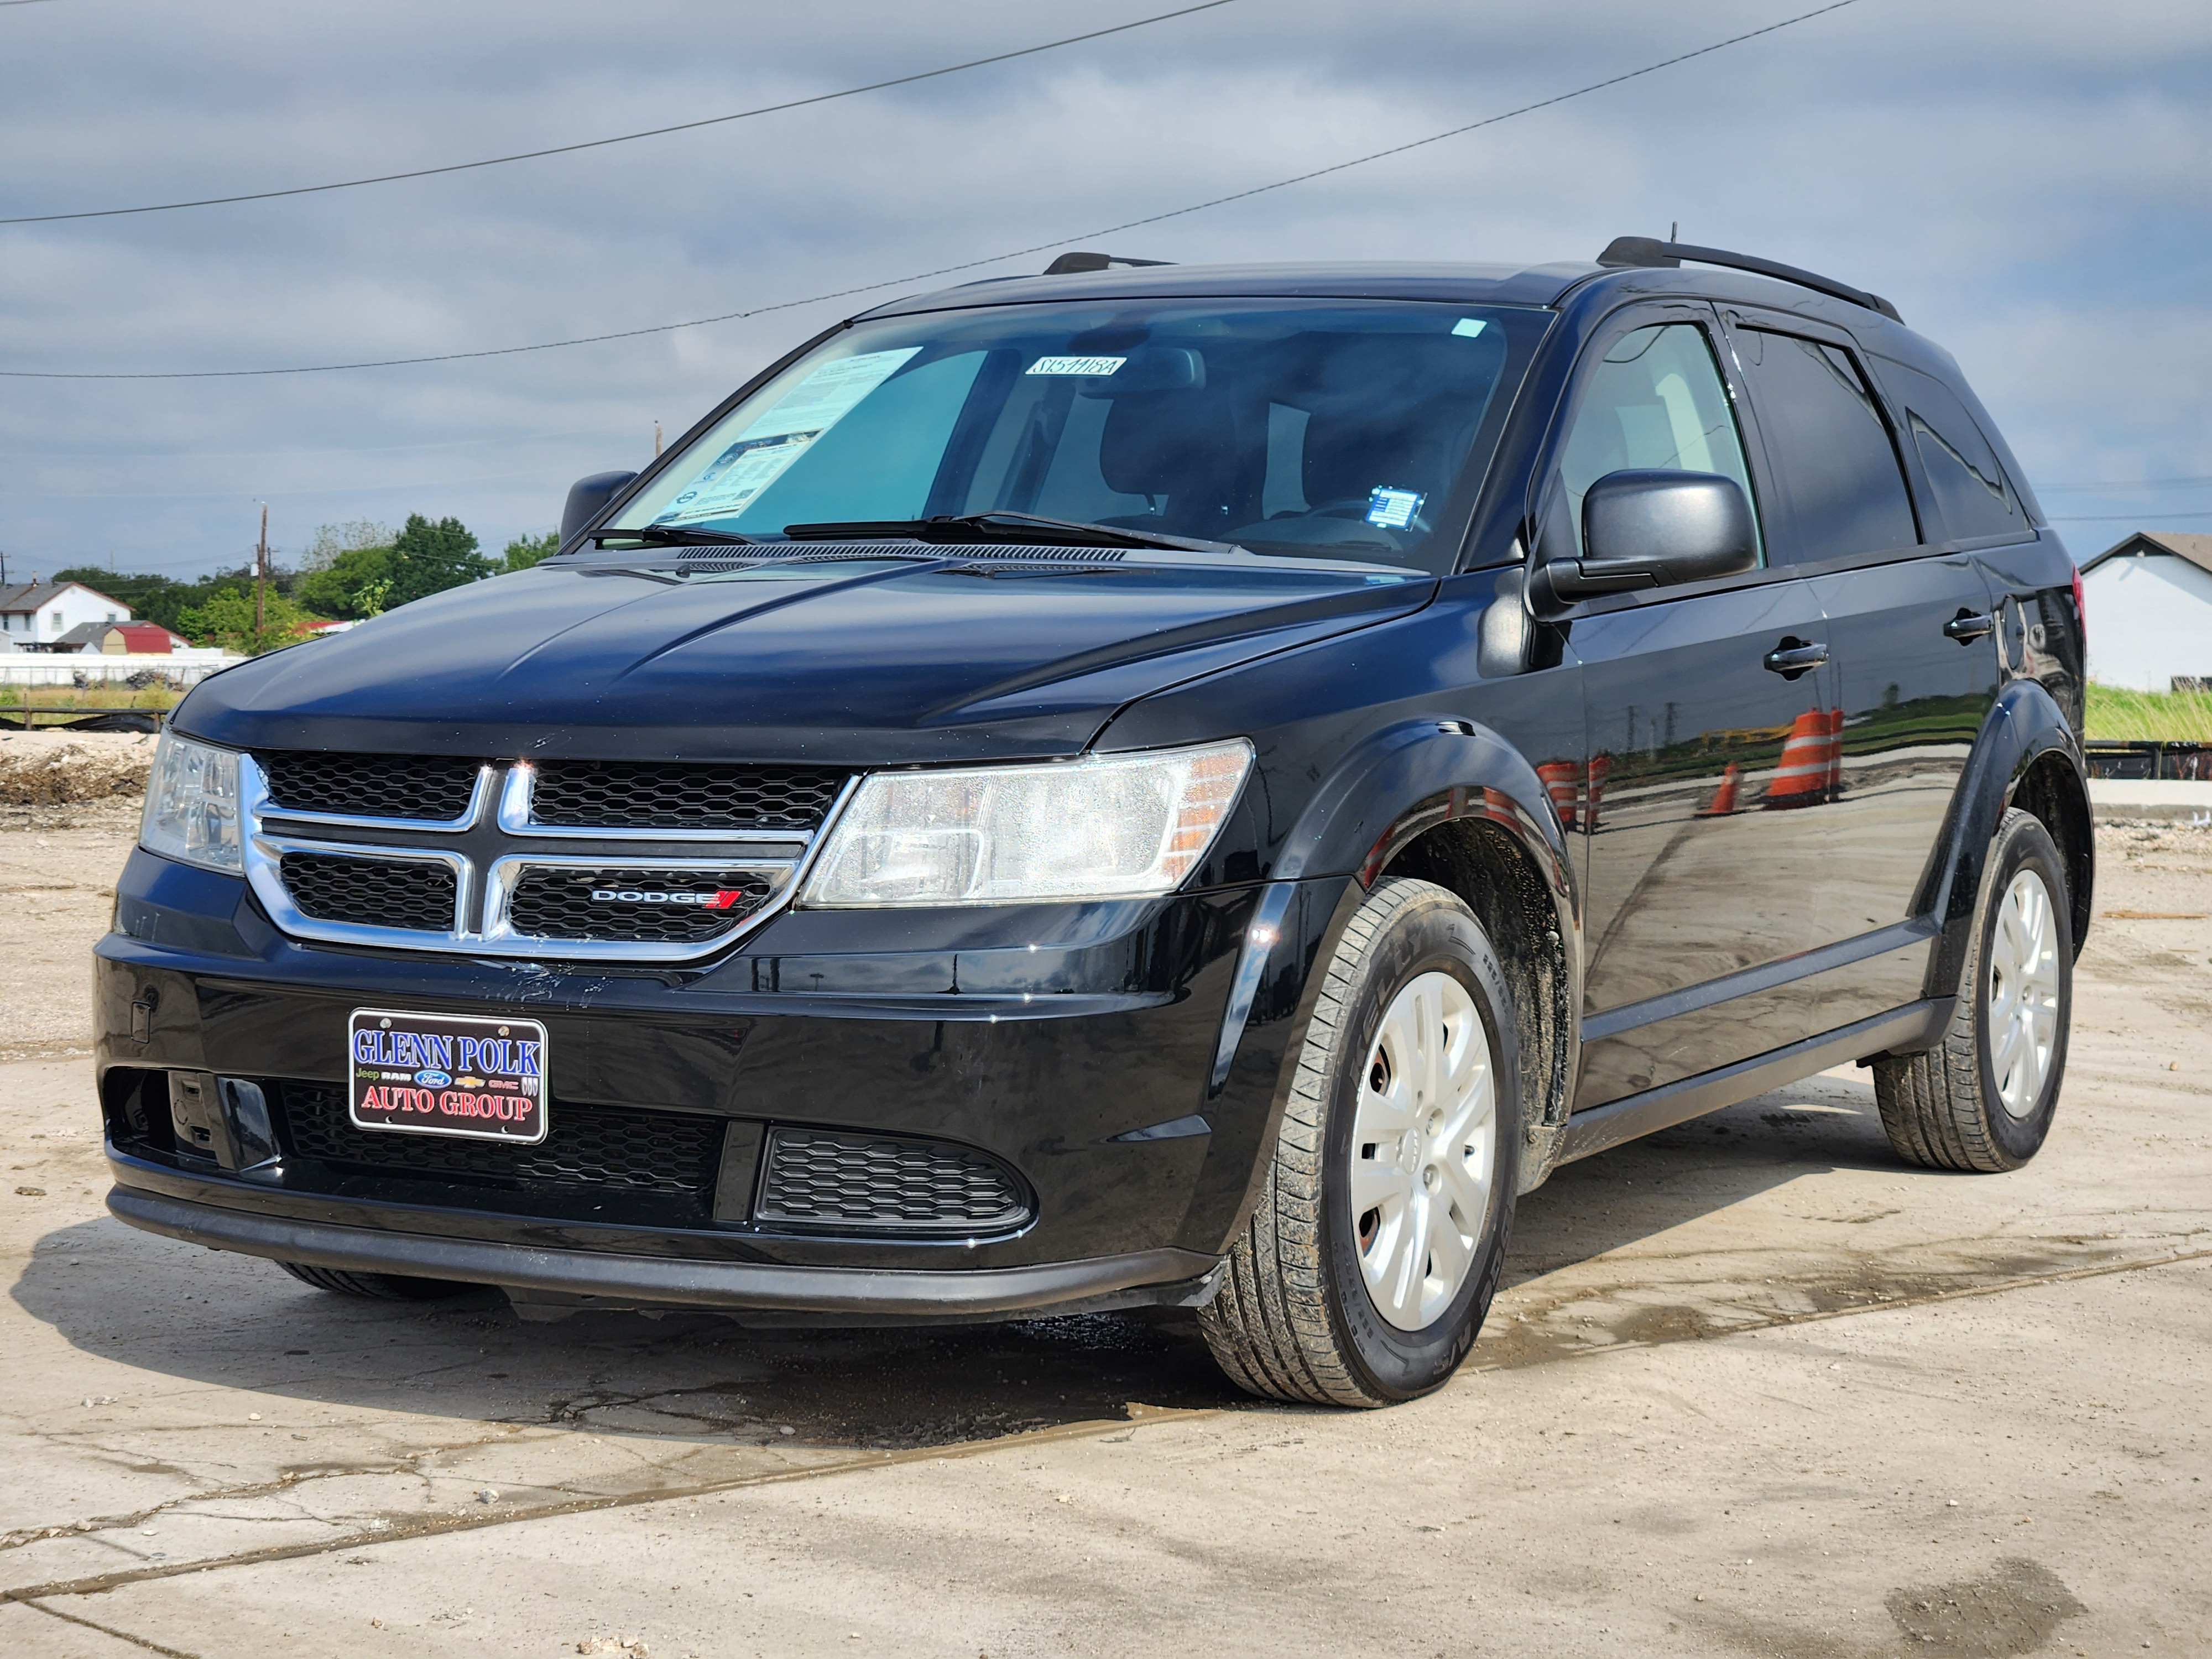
x,y
2149,605
34,615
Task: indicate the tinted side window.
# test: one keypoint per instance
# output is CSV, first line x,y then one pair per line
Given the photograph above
x,y
1971,491
1829,450
1653,400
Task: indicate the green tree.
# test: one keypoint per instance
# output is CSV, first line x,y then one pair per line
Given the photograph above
x,y
332,539
155,599
226,619
526,550
162,598
429,558
354,583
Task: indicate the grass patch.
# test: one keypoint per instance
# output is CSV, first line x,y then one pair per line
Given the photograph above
x,y
2118,716
41,707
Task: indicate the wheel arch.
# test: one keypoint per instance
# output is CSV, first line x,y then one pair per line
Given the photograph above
x,y
2025,756
1452,802
2049,789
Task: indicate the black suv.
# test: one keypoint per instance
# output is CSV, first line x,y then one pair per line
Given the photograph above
x,y
1142,786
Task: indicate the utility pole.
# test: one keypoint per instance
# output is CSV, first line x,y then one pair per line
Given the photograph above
x,y
656,441
260,568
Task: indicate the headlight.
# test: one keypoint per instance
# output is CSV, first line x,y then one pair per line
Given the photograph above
x,y
1115,826
192,805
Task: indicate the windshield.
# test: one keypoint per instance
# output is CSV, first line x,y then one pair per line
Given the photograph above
x,y
1346,430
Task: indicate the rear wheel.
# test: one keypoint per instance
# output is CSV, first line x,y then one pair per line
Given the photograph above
x,y
1982,1099
375,1287
1380,1232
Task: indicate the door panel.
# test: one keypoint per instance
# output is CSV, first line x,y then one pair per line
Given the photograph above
x,y
1908,699
1913,699
1699,860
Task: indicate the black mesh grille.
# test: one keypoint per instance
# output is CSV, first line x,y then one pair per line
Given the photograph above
x,y
375,892
430,787
649,795
659,1152
873,1181
655,906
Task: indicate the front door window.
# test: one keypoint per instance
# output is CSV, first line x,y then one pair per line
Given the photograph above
x,y
1654,401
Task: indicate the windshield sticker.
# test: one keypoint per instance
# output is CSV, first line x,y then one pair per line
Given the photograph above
x,y
1467,327
764,451
1393,509
1091,366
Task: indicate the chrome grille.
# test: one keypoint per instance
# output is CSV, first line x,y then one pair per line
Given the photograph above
x,y
633,902
650,795
824,1178
414,894
435,788
494,881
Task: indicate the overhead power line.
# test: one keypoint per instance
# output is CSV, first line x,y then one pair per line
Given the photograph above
x,y
2131,518
619,138
965,264
2118,486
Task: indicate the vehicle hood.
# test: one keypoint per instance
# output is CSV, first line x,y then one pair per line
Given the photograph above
x,y
880,662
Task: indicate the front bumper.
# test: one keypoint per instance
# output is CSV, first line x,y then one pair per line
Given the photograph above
x,y
1142,1278
1122,1060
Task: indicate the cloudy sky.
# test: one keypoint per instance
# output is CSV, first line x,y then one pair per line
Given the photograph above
x,y
2028,180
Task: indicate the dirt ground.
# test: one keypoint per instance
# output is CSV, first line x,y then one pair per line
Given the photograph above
x,y
1754,1389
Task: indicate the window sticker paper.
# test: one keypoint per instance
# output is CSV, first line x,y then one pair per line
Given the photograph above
x,y
1393,509
1467,327
764,451
1090,366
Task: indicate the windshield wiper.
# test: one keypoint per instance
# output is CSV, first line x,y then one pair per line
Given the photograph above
x,y
967,529
673,535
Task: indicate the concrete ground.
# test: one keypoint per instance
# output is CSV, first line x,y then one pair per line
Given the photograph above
x,y
1755,1388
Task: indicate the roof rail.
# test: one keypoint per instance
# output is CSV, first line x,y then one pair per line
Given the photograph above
x,y
1650,252
1068,263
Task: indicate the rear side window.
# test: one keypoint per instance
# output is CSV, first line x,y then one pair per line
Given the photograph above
x,y
1829,450
1971,491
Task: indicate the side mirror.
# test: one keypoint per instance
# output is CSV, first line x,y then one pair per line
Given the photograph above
x,y
586,498
1655,529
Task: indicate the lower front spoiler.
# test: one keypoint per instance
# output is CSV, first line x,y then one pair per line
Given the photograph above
x,y
1160,1278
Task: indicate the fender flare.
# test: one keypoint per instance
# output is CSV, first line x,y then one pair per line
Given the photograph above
x,y
1406,778
2025,726
1403,782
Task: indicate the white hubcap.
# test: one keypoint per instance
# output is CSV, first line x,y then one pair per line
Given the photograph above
x,y
2023,1028
1424,1151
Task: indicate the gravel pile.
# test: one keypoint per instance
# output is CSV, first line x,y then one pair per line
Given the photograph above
x,y
52,768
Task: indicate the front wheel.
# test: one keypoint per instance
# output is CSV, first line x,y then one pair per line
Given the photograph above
x,y
1982,1099
1380,1231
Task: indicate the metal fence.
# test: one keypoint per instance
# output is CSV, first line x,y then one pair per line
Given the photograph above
x,y
2147,759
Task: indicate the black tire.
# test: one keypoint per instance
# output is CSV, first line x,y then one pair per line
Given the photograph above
x,y
375,1287
1943,1110
1294,1319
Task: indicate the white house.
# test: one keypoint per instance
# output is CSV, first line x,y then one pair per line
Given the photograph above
x,y
33,614
2149,605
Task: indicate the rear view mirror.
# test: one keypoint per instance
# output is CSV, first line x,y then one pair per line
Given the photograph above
x,y
586,498
1655,529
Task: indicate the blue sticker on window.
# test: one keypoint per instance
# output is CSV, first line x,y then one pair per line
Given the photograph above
x,y
1467,327
1393,509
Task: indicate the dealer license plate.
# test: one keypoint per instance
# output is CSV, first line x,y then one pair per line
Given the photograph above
x,y
448,1074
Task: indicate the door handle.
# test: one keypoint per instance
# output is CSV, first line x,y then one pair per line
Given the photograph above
x,y
1968,626
1795,656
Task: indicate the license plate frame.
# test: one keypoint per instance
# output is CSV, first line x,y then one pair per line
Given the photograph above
x,y
472,1076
